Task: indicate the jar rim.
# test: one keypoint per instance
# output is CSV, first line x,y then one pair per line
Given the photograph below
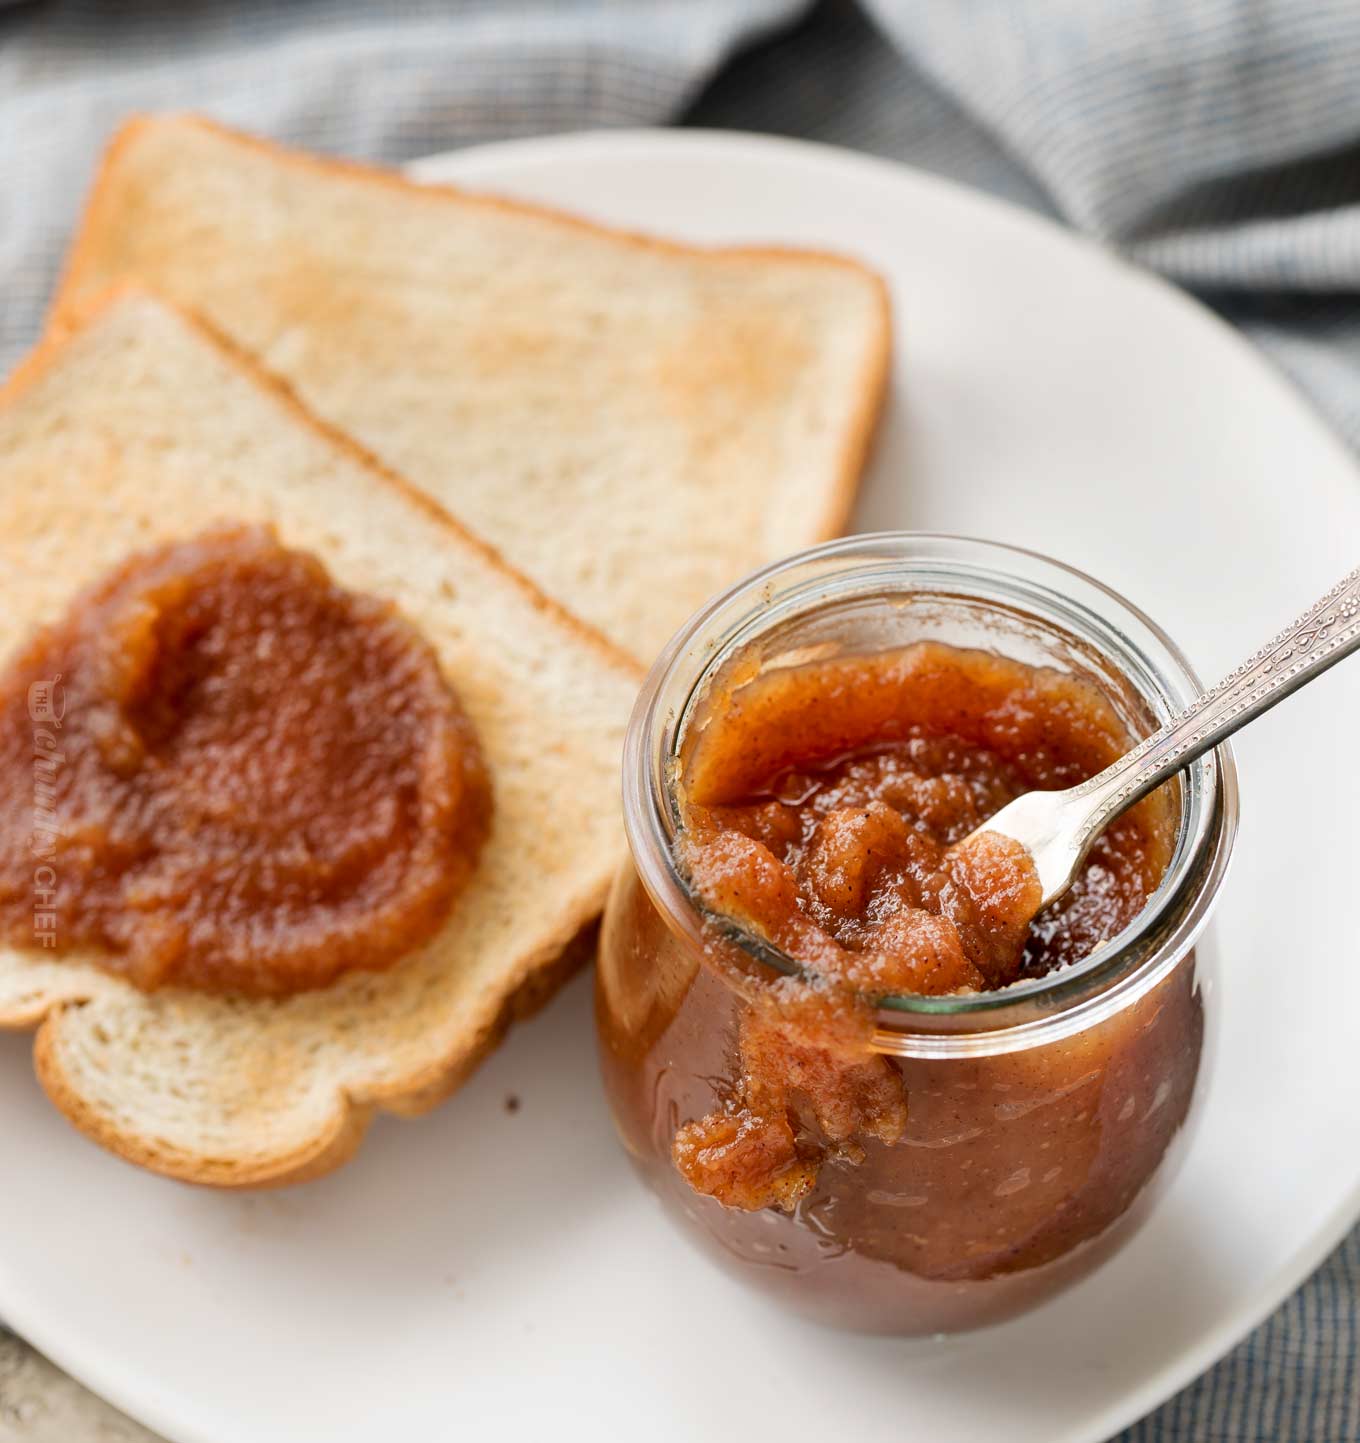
x,y
898,563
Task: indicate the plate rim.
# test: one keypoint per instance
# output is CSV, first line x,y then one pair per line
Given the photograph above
x,y
472,167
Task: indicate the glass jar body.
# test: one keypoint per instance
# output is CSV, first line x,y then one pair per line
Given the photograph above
x,y
1043,1118
1016,1174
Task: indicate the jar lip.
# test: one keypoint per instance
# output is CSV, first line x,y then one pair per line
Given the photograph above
x,y
888,562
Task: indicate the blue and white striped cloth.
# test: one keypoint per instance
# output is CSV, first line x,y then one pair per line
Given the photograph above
x,y
1215,140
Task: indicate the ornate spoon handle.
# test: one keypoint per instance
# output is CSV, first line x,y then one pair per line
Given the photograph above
x,y
1328,631
1057,828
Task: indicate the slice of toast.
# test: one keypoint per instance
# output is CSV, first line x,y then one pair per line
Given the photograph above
x,y
140,427
633,423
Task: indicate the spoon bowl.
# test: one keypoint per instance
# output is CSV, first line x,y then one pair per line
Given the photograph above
x,y
1058,828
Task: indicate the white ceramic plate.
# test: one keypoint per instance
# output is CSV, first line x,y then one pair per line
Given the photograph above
x,y
496,1275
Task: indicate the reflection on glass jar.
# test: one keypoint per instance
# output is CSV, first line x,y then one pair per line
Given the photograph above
x,y
1039,1118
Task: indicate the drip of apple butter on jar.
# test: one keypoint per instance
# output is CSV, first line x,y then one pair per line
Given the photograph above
x,y
824,807
257,780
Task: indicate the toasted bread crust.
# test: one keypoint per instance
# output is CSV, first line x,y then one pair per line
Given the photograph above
x,y
337,1144
328,1150
78,257
859,441
538,988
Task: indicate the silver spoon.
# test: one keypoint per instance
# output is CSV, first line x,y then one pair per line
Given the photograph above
x,y
1057,828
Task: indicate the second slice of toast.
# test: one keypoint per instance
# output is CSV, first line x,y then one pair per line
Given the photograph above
x,y
632,423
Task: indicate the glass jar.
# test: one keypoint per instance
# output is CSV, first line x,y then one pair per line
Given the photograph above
x,y
1042,1119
